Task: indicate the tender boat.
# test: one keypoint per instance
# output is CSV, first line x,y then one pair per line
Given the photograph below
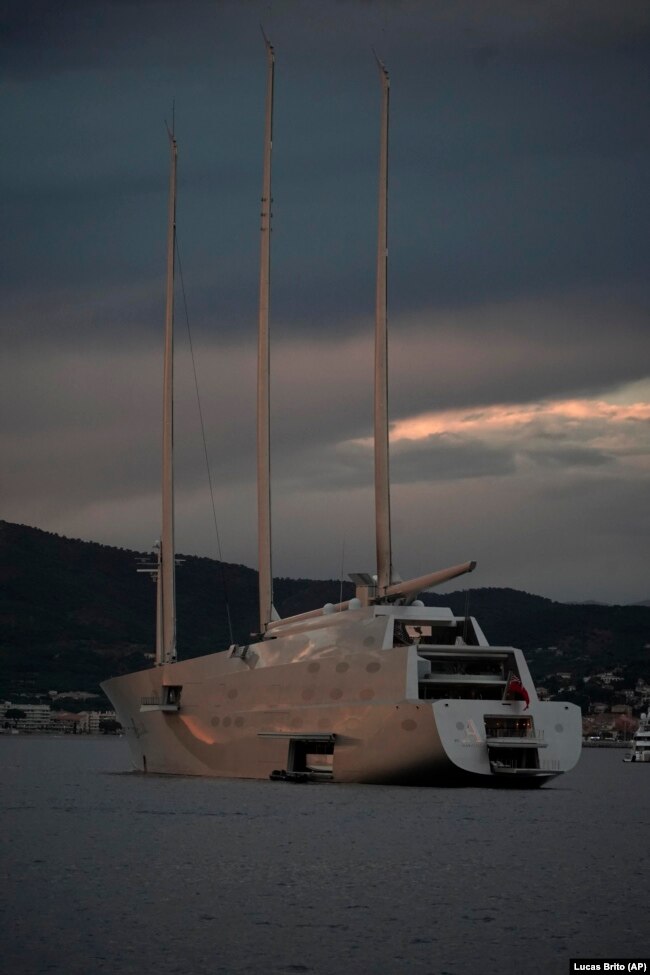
x,y
640,742
377,689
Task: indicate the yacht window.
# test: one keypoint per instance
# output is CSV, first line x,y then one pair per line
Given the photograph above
x,y
172,694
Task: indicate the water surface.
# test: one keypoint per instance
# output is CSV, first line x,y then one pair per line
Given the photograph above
x,y
107,872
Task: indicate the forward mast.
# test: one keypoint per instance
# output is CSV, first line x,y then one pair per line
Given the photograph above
x,y
263,366
166,582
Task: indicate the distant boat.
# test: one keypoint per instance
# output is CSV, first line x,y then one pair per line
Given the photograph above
x,y
376,689
640,742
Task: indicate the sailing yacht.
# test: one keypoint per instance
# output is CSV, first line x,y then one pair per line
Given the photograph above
x,y
377,689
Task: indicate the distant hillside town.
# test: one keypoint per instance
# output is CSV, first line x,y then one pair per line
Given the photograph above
x,y
43,719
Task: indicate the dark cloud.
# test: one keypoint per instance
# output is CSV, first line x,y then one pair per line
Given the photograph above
x,y
90,30
445,458
571,457
517,275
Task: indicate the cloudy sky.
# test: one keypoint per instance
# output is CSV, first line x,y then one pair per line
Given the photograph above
x,y
518,286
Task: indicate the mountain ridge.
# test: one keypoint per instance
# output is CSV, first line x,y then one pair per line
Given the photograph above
x,y
74,612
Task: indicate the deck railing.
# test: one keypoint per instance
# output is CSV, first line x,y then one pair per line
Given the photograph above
x,y
514,733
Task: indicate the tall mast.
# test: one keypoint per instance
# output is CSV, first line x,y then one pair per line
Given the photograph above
x,y
263,366
166,641
382,485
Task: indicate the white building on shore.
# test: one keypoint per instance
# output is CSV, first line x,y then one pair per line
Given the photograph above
x,y
42,718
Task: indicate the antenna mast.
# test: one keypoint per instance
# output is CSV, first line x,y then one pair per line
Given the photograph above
x,y
263,365
382,483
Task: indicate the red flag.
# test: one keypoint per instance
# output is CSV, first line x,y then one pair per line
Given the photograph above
x,y
517,690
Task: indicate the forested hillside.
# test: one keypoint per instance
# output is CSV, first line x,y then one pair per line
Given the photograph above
x,y
73,613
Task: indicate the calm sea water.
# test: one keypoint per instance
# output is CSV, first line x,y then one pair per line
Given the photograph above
x,y
104,871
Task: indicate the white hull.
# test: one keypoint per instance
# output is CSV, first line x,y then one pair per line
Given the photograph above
x,y
340,692
640,743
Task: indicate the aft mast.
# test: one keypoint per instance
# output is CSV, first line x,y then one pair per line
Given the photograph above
x,y
166,611
263,365
382,483
385,588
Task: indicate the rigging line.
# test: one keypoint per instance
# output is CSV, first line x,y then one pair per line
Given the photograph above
x,y
205,447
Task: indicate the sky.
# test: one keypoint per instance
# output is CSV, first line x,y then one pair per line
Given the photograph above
x,y
519,293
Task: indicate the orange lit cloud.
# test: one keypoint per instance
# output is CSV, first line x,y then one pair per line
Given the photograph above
x,y
508,419
497,440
